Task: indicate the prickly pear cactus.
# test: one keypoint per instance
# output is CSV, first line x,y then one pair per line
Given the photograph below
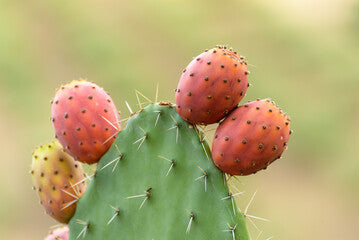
x,y
158,181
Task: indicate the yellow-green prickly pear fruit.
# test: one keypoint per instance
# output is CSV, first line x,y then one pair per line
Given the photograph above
x,y
58,179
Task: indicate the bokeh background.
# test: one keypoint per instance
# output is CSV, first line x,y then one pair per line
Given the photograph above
x,y
304,54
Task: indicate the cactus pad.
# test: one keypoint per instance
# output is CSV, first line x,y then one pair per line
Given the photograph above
x,y
158,181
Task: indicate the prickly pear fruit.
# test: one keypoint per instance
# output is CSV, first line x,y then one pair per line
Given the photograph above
x,y
211,86
85,120
57,179
250,138
60,233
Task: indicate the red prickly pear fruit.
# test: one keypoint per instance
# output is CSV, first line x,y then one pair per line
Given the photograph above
x,y
60,233
211,86
85,119
250,138
58,179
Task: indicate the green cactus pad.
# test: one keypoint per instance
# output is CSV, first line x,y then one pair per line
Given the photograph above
x,y
158,182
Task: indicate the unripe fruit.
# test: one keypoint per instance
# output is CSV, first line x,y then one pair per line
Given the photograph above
x,y
55,174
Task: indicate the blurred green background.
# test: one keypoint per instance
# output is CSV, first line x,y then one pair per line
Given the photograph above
x,y
304,54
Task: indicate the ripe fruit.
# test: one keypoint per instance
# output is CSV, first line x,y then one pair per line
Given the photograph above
x,y
250,138
85,120
54,174
60,233
211,86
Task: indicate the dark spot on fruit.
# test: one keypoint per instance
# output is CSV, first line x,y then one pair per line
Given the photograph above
x,y
278,127
66,115
40,191
42,174
57,101
209,63
45,158
285,144
71,176
95,142
224,80
246,72
61,159
208,112
245,105
225,111
236,160
80,143
244,141
214,51
221,154
198,59
83,110
286,123
216,136
189,94
270,110
50,201
264,126
257,108
53,187
105,110
226,138
78,129
76,165
67,147
76,86
253,163
63,133
248,85
108,100
222,66
192,74
274,147
239,80
233,118
70,97
189,110
228,97
90,97
235,64
56,172
32,172
260,146
93,125
206,78
248,121
106,129
209,96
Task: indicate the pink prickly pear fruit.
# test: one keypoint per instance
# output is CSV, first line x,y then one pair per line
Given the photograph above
x,y
85,119
211,86
60,233
250,138
58,180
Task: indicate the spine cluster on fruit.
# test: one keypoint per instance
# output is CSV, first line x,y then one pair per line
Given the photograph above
x,y
157,178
